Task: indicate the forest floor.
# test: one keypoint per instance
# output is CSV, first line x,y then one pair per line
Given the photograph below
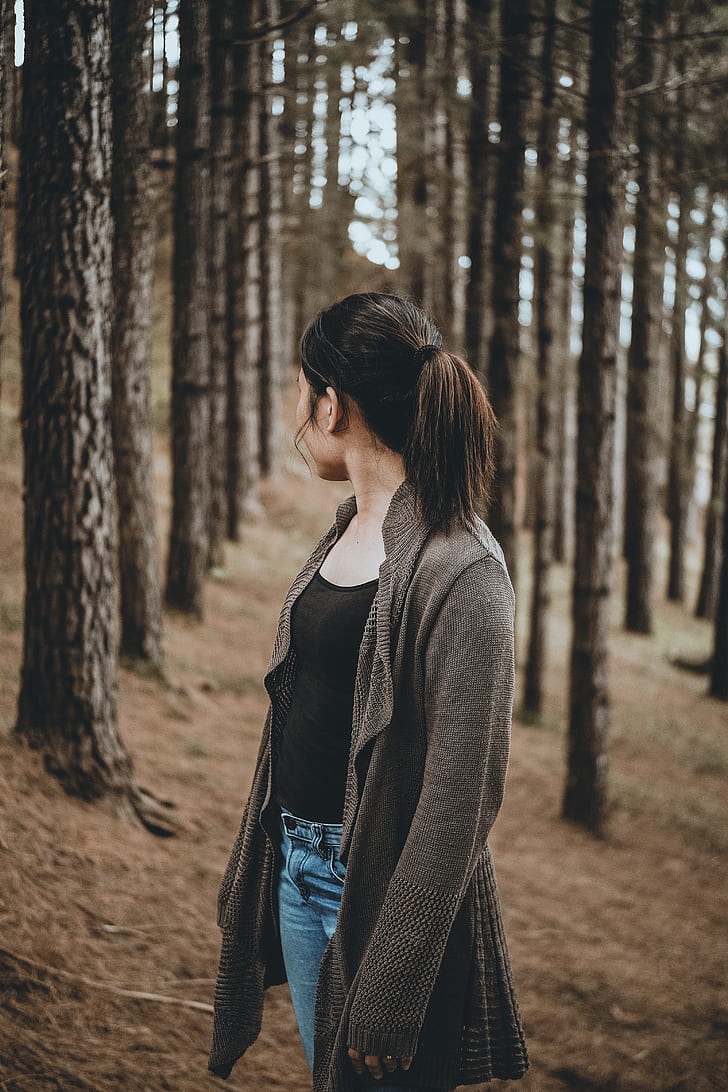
x,y
619,946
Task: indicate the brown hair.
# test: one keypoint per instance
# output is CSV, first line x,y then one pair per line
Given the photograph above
x,y
385,353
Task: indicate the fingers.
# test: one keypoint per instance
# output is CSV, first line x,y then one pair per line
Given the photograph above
x,y
357,1060
375,1064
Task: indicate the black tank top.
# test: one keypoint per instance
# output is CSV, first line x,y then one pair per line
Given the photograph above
x,y
327,626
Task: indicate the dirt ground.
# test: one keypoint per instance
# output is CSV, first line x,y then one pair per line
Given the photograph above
x,y
619,947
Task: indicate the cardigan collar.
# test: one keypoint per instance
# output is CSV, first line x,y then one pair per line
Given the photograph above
x,y
404,534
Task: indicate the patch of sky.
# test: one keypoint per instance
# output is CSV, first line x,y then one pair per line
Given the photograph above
x,y
278,63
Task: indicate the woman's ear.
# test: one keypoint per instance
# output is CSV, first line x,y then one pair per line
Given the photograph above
x,y
334,411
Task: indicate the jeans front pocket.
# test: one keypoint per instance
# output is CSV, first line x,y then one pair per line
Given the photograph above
x,y
336,868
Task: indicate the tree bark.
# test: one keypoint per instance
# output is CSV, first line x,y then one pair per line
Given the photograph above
x,y
503,357
67,705
641,490
479,171
585,796
271,261
243,431
4,5
437,275
546,247
713,547
133,263
221,134
411,162
8,101
189,537
719,667
680,473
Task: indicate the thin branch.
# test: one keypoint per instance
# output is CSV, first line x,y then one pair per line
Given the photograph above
x,y
259,32
119,991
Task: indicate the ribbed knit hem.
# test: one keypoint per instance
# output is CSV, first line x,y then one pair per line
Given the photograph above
x,y
400,1044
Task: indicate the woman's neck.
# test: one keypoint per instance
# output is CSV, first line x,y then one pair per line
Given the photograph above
x,y
374,486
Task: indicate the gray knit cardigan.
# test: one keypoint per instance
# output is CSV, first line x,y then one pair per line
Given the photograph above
x,y
418,964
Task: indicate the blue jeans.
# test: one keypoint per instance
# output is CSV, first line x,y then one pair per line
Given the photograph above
x,y
310,883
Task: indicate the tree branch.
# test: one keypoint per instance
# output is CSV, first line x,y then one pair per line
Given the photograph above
x,y
119,991
259,32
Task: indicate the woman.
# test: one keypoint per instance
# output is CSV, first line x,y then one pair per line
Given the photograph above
x,y
362,873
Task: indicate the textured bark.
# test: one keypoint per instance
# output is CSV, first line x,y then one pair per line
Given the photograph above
x,y
457,162
8,99
642,440
713,544
503,357
546,247
271,259
479,172
221,133
189,539
680,472
437,274
243,431
133,263
565,431
411,163
719,668
4,4
67,704
585,795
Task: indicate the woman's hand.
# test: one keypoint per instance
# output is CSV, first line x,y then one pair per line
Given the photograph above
x,y
376,1064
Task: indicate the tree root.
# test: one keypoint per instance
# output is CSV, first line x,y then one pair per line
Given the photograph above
x,y
153,812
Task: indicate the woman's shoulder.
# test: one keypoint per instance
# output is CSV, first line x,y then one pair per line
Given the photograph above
x,y
445,556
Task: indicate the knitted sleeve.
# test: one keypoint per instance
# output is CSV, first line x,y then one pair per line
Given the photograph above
x,y
469,678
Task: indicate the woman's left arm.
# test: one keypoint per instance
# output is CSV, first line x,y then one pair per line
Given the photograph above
x,y
469,679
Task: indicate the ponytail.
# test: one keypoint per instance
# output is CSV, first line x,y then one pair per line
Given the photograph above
x,y
384,352
449,453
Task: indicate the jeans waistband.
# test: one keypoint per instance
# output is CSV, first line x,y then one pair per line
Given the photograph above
x,y
319,834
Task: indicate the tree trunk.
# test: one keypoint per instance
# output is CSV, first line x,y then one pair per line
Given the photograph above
x,y
68,698
585,795
479,162
271,262
133,263
8,104
546,247
4,81
503,357
641,491
719,667
565,431
411,162
221,132
457,161
189,538
680,473
243,431
713,548
437,275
